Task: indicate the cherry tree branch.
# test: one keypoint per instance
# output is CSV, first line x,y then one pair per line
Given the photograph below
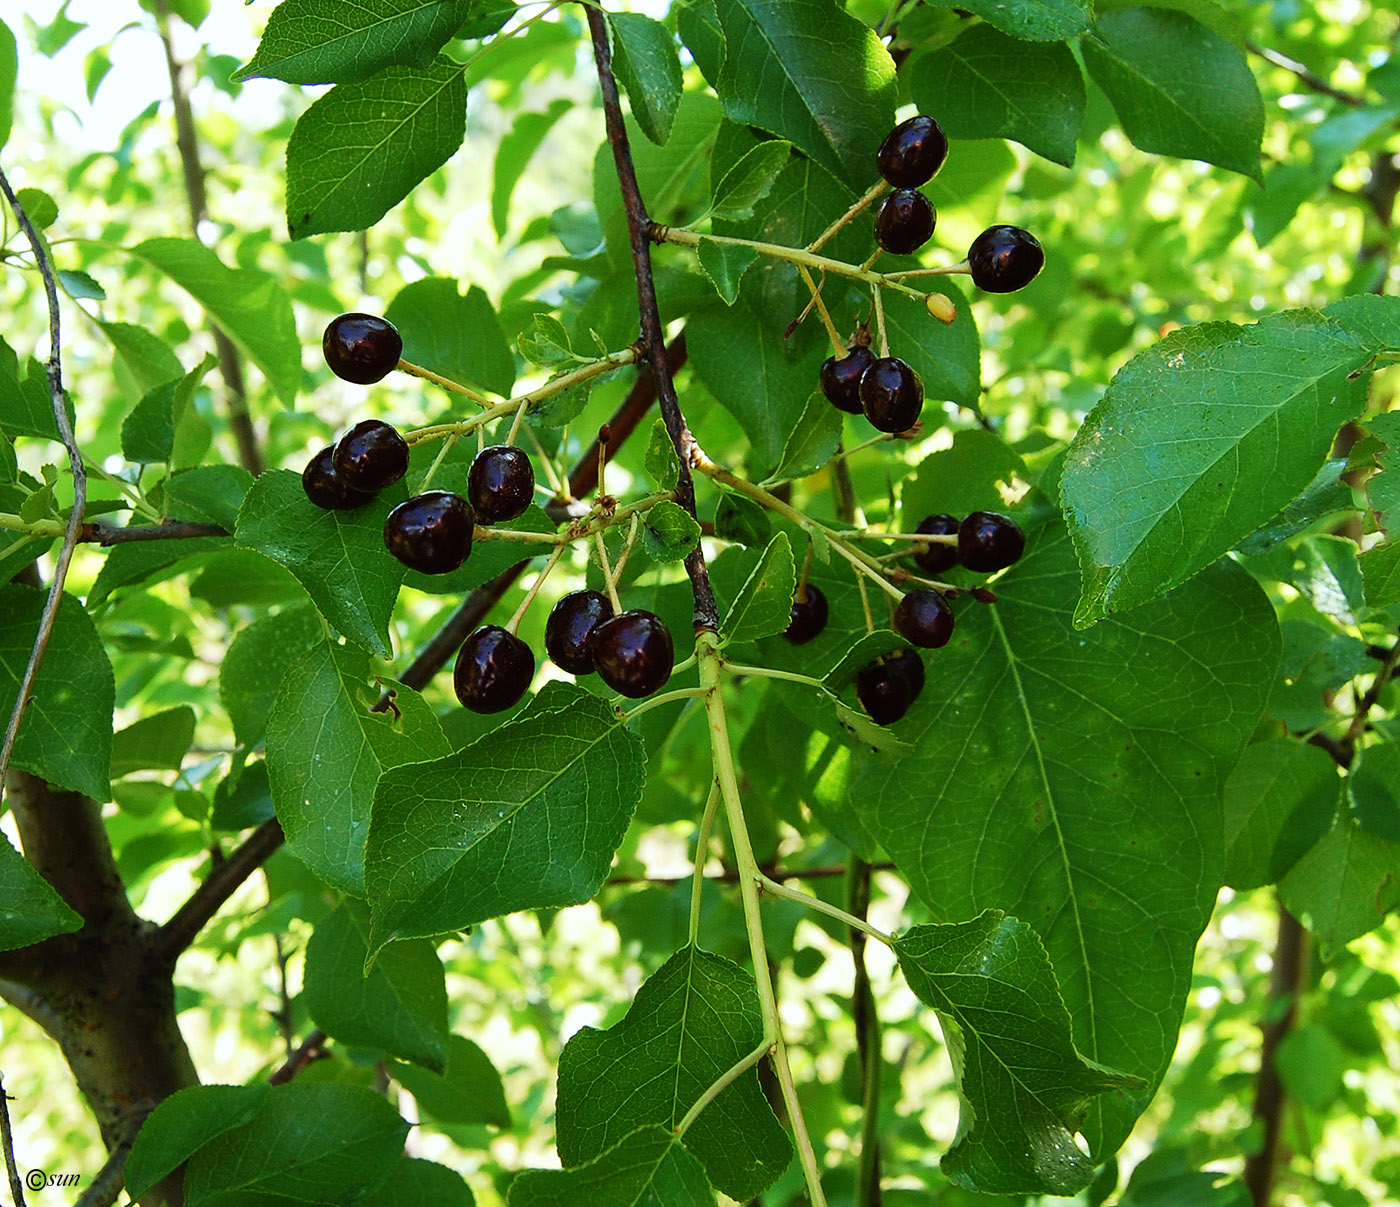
x,y
313,1047
7,1142
1304,76
54,370
639,229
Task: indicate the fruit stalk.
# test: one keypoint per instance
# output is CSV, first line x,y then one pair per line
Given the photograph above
x,y
639,229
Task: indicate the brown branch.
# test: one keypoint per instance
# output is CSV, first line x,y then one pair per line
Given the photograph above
x,y
7,1142
54,370
107,535
106,1187
221,883
313,1047
639,230
1290,971
187,141
1306,77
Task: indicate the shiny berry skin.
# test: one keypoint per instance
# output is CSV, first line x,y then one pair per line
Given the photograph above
x,y
904,221
907,664
840,378
809,613
500,483
633,653
912,152
431,532
891,394
326,488
1004,259
924,618
933,558
989,541
493,669
361,347
568,633
371,456
883,691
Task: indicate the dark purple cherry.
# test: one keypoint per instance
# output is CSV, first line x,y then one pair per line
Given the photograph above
x,y
500,483
371,456
935,558
840,378
904,221
1004,259
924,618
989,541
809,613
494,667
431,532
568,633
912,152
891,394
361,347
633,653
884,691
908,665
326,488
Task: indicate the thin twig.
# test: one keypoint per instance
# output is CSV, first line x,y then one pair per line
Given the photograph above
x,y
54,369
104,1189
7,1141
313,1047
639,229
1315,82
107,535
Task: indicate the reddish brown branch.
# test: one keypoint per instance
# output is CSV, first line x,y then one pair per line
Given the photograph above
x,y
107,535
639,227
313,1047
7,1142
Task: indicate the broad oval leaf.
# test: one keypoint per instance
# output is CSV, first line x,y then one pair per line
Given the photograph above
x,y
1178,87
1031,20
763,606
357,151
649,1166
1197,442
1073,779
30,910
527,816
809,72
330,42
644,55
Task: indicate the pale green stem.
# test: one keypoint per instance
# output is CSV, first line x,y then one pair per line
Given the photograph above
x,y
822,907
873,193
456,387
634,528
837,343
865,603
34,527
770,672
609,581
724,1081
535,589
880,321
702,851
749,880
949,271
556,483
681,693
138,500
447,446
793,255
515,425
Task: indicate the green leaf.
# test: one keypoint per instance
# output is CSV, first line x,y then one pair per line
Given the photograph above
x,y
668,532
143,561
644,56
1373,319
415,1182
753,376
946,356
725,265
252,670
9,70
30,910
662,465
695,1018
1345,885
1372,788
649,1166
399,1008
467,1092
1025,1089
1380,571
252,307
809,72
38,206
813,442
66,734
1280,799
989,85
513,155
1198,442
307,1143
155,743
327,42
763,607
524,818
454,334
1030,20
147,356
323,776
963,478
1178,87
879,738
184,1123
26,407
739,519
338,556
548,343
211,492
358,150
1073,779
750,180
148,431
81,285
1383,488
698,25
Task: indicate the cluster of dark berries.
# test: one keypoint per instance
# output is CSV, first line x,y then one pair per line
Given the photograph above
x,y
885,389
986,541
